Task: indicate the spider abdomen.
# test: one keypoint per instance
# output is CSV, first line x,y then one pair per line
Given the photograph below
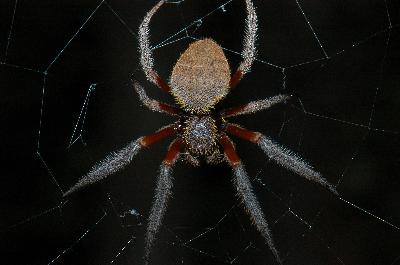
x,y
199,134
200,77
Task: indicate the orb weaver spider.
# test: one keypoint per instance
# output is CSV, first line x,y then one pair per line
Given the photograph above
x,y
200,79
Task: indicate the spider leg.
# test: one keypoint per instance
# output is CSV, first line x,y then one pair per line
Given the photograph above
x,y
281,155
162,194
255,106
249,48
153,104
146,54
119,159
245,191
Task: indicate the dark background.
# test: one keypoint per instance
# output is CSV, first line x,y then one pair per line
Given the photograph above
x,y
343,118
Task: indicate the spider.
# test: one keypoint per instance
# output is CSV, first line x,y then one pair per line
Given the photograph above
x,y
200,79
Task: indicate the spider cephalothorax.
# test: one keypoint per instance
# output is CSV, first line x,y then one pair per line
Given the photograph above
x,y
200,79
200,135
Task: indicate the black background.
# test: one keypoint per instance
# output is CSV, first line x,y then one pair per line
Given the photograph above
x,y
350,132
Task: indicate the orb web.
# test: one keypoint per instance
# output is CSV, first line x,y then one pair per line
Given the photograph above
x,y
68,101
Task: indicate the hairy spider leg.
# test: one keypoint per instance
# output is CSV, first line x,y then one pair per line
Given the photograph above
x,y
255,106
245,192
162,194
249,47
119,159
146,54
153,104
281,155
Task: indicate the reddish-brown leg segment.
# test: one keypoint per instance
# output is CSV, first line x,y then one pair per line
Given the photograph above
x,y
157,136
235,79
242,133
233,111
162,84
168,108
173,152
229,150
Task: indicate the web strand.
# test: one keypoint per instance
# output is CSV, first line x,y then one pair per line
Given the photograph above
x,y
187,32
311,28
77,240
73,36
10,31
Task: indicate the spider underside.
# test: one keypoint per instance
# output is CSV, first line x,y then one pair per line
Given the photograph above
x,y
199,80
